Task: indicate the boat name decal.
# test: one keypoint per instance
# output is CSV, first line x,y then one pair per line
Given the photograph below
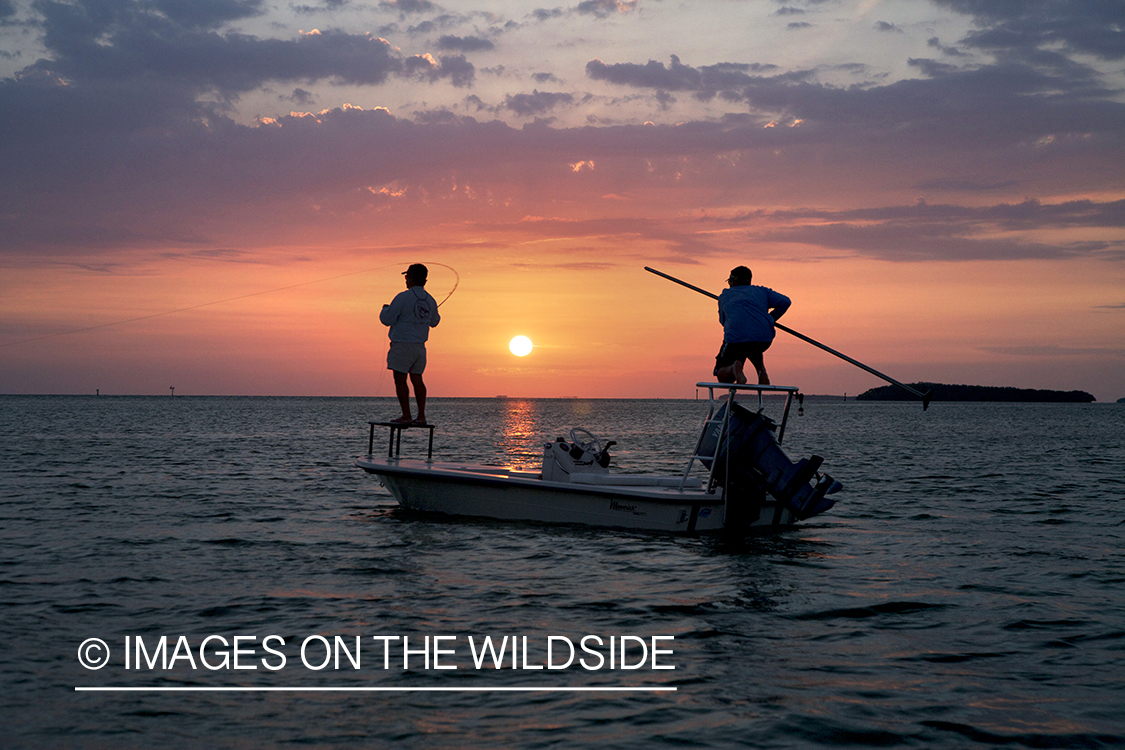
x,y
626,508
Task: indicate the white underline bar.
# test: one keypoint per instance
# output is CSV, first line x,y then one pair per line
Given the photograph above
x,y
226,689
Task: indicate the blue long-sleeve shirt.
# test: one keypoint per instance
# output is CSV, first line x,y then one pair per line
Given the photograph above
x,y
744,312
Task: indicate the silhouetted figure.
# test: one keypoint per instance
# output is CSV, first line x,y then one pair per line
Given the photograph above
x,y
747,313
410,315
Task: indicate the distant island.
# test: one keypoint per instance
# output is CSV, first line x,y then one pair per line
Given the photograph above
x,y
943,392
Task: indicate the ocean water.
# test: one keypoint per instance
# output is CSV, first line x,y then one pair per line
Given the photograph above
x,y
967,591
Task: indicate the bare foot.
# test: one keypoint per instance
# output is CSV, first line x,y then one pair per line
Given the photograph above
x,y
739,374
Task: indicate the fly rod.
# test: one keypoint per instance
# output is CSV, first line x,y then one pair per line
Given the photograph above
x,y
924,396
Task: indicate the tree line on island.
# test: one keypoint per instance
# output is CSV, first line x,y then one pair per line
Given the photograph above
x,y
945,392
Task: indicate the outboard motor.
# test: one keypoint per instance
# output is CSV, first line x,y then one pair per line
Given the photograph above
x,y
757,464
561,459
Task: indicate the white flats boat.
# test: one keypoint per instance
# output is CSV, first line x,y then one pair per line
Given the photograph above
x,y
737,479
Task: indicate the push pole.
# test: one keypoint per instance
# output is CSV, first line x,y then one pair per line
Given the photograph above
x,y
924,396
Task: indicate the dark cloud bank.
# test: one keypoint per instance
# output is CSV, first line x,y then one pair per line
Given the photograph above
x,y
121,134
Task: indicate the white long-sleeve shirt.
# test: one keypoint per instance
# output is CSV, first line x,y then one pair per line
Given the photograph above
x,y
411,315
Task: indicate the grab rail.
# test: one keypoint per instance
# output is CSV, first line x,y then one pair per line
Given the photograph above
x,y
791,391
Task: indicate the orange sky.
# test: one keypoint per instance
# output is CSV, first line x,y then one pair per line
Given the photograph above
x,y
941,198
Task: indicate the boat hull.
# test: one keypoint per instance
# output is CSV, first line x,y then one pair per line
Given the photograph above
x,y
499,493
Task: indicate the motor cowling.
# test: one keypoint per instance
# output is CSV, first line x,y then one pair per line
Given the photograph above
x,y
757,463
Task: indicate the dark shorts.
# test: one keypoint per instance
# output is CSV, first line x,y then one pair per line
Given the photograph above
x,y
738,352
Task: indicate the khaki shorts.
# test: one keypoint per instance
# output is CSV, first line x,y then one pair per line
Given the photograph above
x,y
406,357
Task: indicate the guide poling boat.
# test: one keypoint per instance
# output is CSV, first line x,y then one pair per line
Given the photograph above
x,y
737,479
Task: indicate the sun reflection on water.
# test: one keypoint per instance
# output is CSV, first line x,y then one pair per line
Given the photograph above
x,y
519,432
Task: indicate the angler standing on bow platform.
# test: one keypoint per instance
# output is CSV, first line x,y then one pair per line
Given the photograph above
x,y
410,315
748,314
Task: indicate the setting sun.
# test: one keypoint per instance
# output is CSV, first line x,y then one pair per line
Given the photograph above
x,y
520,346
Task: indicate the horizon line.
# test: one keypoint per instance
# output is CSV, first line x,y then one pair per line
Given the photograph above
x,y
392,397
